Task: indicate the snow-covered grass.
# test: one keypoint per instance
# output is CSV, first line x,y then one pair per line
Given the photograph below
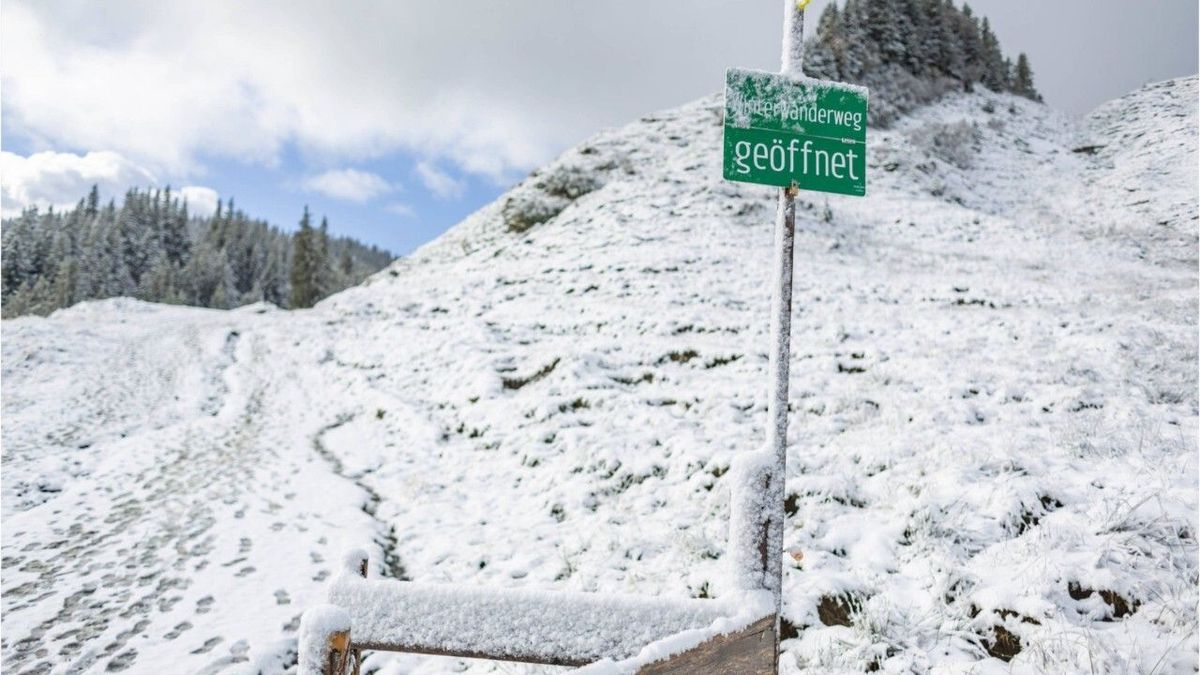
x,y
992,449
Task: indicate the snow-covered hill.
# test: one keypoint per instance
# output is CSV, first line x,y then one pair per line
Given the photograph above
x,y
992,450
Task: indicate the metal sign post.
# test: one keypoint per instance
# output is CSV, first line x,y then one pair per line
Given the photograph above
x,y
786,130
781,334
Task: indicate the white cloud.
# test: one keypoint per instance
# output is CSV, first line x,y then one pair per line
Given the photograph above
x,y
60,179
201,201
172,84
348,184
440,183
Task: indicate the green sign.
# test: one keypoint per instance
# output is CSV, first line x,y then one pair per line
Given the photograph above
x,y
785,131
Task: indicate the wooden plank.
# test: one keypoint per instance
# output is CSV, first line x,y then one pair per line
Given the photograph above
x,y
525,625
750,651
413,648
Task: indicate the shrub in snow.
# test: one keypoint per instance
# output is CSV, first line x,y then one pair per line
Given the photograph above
x,y
571,182
544,196
531,206
953,142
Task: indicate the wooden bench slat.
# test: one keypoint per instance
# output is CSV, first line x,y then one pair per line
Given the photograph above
x,y
750,651
549,627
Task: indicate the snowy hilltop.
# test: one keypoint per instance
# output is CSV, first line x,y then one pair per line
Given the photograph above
x,y
993,441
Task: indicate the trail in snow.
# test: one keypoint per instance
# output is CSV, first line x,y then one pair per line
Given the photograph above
x,y
182,541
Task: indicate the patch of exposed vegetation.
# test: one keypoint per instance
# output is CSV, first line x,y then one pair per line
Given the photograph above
x,y
515,383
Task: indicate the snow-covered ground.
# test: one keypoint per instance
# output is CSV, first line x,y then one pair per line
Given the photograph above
x,y
993,445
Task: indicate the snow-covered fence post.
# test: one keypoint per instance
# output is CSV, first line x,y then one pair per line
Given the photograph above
x,y
324,641
756,525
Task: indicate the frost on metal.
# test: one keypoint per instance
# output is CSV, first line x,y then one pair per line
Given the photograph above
x,y
748,91
317,626
543,626
792,50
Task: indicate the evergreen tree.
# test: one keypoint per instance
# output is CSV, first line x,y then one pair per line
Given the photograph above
x,y
324,268
17,246
888,28
967,29
1023,79
908,52
995,73
274,283
859,53
160,284
824,59
175,240
304,264
951,61
66,279
93,202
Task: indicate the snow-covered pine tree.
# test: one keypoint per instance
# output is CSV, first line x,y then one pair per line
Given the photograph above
x,y
944,19
175,239
324,270
823,59
971,46
995,73
1022,84
304,264
908,51
93,202
889,28
17,250
859,54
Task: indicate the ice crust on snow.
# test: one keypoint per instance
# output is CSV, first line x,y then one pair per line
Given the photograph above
x,y
538,625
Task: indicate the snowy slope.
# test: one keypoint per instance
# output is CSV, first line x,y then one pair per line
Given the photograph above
x,y
992,447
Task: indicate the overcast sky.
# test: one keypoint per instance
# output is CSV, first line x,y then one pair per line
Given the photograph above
x,y
398,118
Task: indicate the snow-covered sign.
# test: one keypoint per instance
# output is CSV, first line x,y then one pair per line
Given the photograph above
x,y
785,131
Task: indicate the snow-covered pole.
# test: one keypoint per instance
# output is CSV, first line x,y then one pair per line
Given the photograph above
x,y
792,58
757,498
781,328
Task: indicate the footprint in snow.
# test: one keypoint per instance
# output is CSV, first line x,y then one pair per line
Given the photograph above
x,y
208,645
122,661
204,605
177,630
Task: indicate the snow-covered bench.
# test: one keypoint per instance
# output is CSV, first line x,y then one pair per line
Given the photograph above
x,y
607,633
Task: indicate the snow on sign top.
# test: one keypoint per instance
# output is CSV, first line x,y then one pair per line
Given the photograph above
x,y
782,131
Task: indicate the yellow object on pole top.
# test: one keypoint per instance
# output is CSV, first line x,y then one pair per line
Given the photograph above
x,y
801,4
